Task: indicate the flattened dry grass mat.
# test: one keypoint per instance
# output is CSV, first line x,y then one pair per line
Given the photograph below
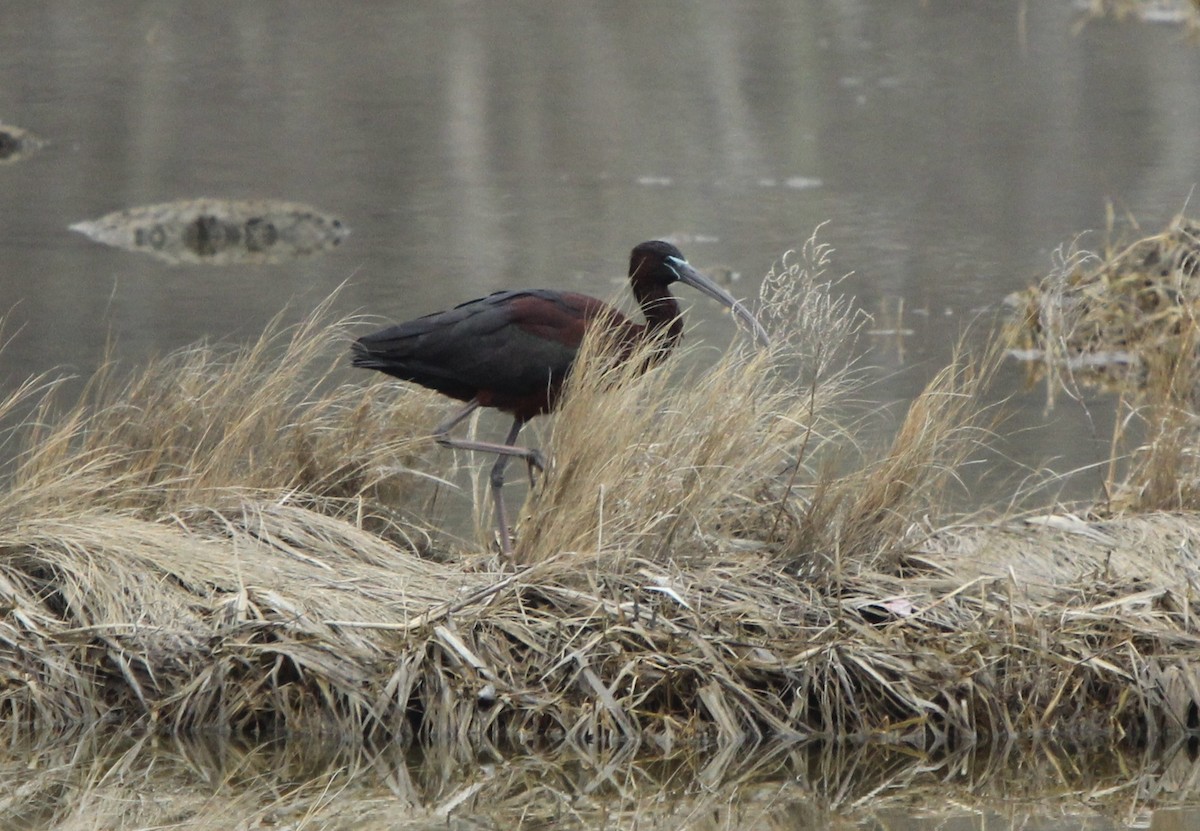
x,y
166,627
237,541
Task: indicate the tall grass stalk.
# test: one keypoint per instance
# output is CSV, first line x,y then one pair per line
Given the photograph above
x,y
205,425
752,449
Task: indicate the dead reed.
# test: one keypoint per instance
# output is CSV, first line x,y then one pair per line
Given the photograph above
x,y
231,541
1126,321
665,464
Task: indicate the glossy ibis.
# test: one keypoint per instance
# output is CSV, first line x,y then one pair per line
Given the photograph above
x,y
512,350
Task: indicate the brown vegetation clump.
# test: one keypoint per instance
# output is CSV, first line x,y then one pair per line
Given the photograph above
x,y
1127,321
1121,320
742,454
231,541
205,427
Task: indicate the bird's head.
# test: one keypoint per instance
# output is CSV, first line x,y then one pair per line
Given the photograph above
x,y
659,263
650,263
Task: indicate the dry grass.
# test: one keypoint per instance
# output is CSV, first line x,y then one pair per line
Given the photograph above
x,y
205,423
663,465
1119,320
743,454
1126,321
229,542
236,496
866,521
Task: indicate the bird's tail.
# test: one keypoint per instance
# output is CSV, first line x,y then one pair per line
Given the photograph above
x,y
362,356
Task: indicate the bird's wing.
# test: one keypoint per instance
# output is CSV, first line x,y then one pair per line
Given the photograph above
x,y
513,342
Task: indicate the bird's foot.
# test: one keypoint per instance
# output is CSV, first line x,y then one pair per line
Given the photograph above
x,y
504,547
535,459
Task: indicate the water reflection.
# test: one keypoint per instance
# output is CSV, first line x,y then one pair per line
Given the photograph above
x,y
119,781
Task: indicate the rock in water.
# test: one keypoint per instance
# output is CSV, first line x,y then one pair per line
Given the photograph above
x,y
219,231
16,144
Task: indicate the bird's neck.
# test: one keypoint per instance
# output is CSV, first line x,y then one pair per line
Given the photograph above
x,y
661,311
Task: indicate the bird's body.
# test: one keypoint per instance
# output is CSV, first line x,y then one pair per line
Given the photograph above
x,y
467,352
512,350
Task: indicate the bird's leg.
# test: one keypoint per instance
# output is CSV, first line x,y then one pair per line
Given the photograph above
x,y
442,437
497,480
504,452
440,432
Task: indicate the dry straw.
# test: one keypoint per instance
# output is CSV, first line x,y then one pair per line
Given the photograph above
x,y
672,462
1126,322
233,541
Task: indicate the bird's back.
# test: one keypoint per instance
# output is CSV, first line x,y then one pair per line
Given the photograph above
x,y
509,350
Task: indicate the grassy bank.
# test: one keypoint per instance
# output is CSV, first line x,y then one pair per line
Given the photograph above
x,y
234,541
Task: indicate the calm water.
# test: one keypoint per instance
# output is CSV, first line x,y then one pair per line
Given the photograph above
x,y
949,145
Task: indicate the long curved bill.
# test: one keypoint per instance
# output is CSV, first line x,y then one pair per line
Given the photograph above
x,y
704,285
